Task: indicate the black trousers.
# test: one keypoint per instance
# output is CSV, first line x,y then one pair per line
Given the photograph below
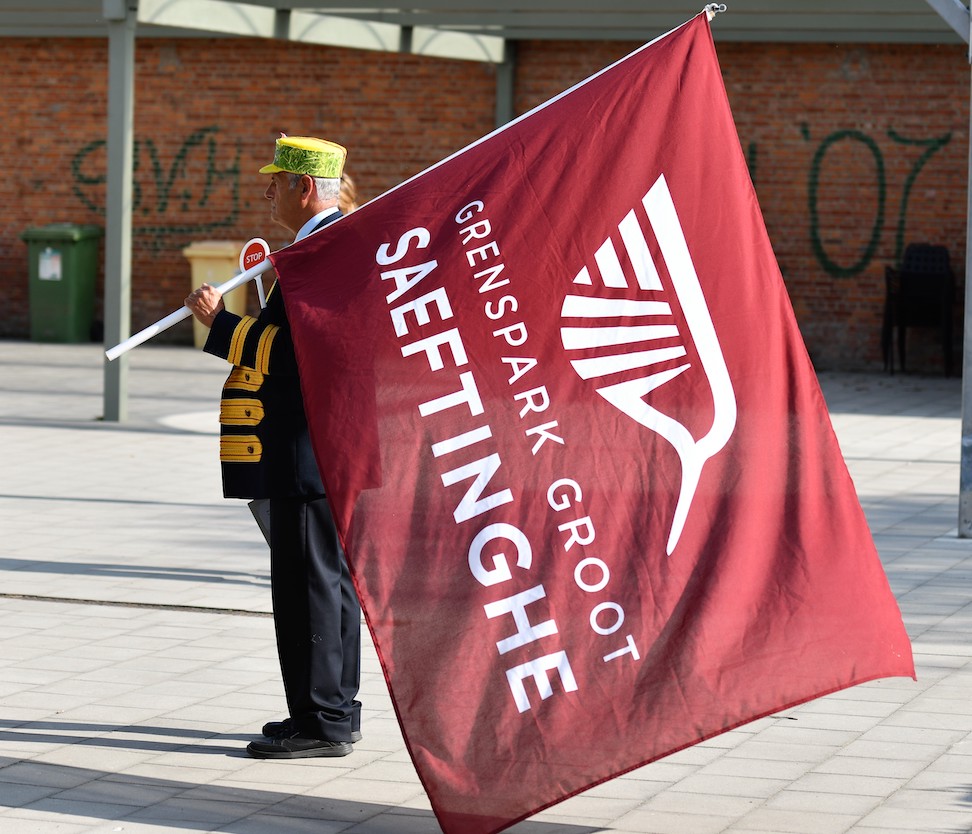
x,y
317,619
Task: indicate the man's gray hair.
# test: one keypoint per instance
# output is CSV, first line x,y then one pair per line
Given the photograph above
x,y
328,189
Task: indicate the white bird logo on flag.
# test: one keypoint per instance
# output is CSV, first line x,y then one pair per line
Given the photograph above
x,y
608,349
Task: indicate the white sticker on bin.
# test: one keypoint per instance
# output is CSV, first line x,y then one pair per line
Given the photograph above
x,y
49,265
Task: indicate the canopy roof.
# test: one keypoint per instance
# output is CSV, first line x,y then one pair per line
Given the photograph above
x,y
476,29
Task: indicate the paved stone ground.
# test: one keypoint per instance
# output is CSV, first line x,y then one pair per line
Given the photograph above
x,y
137,653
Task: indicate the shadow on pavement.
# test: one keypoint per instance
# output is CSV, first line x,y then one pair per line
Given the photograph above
x,y
174,804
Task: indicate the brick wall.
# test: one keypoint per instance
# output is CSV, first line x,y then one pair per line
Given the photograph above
x,y
855,151
207,113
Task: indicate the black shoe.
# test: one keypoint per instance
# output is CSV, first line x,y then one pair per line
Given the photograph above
x,y
284,746
275,728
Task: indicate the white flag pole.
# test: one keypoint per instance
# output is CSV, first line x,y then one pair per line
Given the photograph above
x,y
184,313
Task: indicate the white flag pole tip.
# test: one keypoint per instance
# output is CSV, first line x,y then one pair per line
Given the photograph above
x,y
184,312
712,9
144,335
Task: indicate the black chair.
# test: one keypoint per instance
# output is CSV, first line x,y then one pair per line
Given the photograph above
x,y
919,294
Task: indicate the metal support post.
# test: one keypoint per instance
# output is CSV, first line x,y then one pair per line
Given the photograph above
x,y
118,233
965,456
505,84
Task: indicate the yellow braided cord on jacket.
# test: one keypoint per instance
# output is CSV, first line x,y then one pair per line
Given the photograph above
x,y
244,379
262,363
240,411
239,339
240,448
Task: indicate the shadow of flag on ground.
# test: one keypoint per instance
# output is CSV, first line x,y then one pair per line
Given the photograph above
x,y
575,448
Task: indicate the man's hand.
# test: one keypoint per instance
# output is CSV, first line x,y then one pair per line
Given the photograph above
x,y
205,303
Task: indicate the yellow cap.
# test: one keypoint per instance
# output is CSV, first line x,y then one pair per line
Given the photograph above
x,y
306,155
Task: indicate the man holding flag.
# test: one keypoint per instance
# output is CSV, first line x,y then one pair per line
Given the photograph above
x,y
577,453
579,460
265,453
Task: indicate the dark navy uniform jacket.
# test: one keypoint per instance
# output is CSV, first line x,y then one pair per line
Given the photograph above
x,y
264,446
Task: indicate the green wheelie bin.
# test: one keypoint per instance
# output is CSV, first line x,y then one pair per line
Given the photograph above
x,y
63,266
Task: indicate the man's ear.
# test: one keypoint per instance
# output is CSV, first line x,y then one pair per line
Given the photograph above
x,y
307,188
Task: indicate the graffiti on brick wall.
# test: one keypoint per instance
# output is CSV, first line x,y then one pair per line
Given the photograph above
x,y
881,185
751,161
197,191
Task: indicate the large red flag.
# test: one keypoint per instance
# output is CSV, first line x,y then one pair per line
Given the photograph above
x,y
576,450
